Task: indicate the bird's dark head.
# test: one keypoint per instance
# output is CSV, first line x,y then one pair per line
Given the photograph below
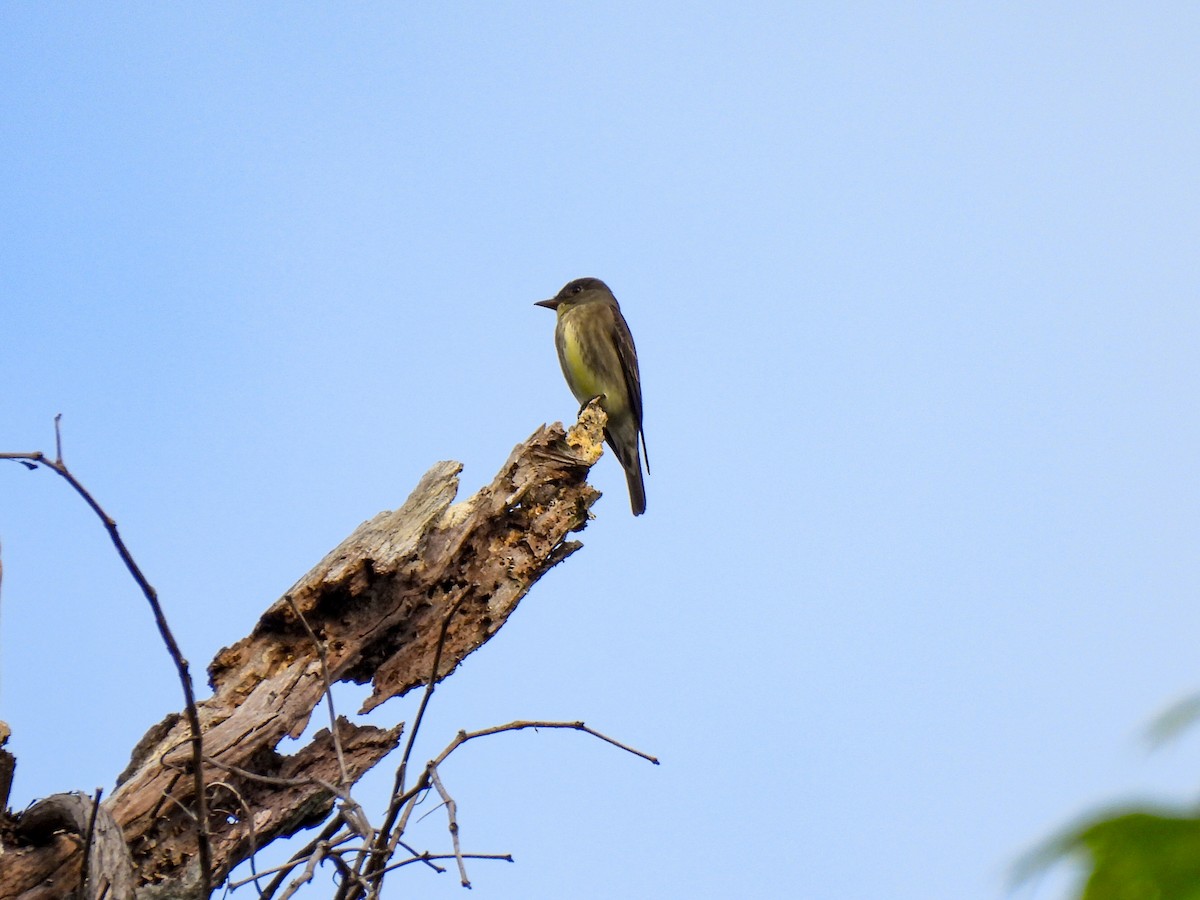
x,y
581,290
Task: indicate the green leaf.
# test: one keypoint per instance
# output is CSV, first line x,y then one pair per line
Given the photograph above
x,y
1131,855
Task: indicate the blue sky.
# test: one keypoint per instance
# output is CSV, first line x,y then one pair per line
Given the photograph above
x,y
915,295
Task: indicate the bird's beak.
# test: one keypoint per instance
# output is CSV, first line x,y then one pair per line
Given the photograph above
x,y
552,303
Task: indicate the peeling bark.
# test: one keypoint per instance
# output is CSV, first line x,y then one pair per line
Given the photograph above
x,y
377,602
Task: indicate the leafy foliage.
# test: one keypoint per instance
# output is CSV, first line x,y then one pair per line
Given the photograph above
x,y
1134,854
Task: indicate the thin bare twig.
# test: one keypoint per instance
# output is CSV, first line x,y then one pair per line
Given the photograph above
x,y
309,870
429,857
329,837
272,780
521,724
37,458
247,816
452,814
428,812
170,800
409,803
91,833
371,865
407,800
428,693
351,811
417,856
333,729
349,875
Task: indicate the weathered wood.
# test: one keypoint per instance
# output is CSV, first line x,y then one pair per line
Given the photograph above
x,y
110,868
377,603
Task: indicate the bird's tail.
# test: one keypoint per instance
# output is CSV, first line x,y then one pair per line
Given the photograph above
x,y
622,434
637,490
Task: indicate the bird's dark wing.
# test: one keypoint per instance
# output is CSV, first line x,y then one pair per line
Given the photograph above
x,y
629,366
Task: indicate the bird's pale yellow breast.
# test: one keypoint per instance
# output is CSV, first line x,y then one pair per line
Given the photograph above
x,y
579,367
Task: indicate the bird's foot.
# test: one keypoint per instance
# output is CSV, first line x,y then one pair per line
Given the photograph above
x,y
585,404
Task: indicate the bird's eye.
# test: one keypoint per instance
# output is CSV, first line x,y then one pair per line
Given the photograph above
x,y
577,289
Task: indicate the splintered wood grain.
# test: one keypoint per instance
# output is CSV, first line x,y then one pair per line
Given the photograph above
x,y
377,601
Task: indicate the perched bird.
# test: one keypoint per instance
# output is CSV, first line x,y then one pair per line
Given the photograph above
x,y
598,359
